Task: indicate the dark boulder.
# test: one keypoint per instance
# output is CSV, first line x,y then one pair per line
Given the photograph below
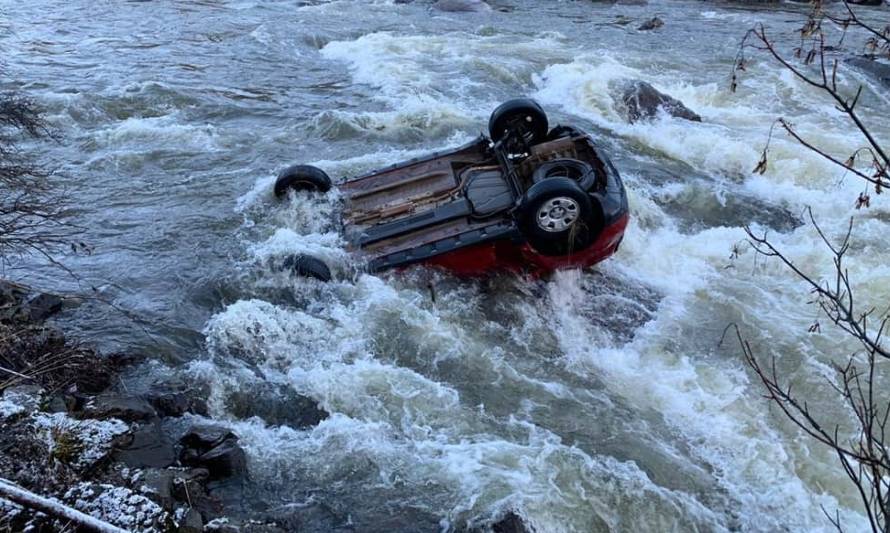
x,y
651,24
122,407
511,523
44,306
224,460
277,407
878,70
455,6
191,522
149,447
508,523
189,484
639,100
215,448
175,398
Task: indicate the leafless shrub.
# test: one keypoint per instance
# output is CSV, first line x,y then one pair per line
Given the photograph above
x,y
864,452
32,208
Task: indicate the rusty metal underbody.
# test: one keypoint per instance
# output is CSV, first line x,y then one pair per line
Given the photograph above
x,y
442,197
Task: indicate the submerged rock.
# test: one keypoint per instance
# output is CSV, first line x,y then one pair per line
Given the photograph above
x,y
876,69
281,407
639,100
651,24
455,6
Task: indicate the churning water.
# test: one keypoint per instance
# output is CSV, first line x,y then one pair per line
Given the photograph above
x,y
592,401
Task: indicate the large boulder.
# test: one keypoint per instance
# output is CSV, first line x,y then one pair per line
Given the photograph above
x,y
174,397
149,447
120,406
277,407
215,448
638,100
461,6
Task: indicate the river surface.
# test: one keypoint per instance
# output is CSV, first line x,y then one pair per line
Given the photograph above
x,y
593,401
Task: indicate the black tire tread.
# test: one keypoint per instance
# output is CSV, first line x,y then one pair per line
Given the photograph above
x,y
302,178
309,267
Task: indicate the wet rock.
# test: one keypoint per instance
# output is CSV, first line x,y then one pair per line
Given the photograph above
x,y
175,398
225,460
191,523
214,448
651,24
510,524
149,447
639,100
698,206
44,306
456,6
878,70
281,407
122,407
188,485
158,485
309,516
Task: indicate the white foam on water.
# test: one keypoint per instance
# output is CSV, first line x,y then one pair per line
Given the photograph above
x,y
159,132
413,429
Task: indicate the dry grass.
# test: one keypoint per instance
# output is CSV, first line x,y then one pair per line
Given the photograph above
x,y
41,355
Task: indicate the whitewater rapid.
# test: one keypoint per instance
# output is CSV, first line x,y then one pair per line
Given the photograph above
x,y
592,401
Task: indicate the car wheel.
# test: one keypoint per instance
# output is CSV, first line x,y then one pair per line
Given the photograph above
x,y
308,267
557,217
573,169
302,178
522,116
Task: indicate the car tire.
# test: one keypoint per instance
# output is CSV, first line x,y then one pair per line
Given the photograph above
x,y
520,115
557,217
578,171
308,267
301,178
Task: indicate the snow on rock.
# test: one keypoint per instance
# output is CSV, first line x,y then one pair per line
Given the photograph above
x,y
80,443
9,409
117,505
17,400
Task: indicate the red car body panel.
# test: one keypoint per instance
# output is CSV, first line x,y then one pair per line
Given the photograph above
x,y
507,256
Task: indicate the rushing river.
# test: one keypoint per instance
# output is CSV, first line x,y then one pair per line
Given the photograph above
x,y
595,400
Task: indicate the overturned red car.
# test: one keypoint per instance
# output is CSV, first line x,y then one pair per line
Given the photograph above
x,y
526,199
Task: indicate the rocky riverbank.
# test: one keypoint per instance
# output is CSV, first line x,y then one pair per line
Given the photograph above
x,y
154,461
70,431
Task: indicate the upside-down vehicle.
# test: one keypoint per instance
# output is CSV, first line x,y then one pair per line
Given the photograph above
x,y
526,199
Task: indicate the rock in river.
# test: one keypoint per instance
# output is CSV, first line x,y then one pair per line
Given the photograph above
x,y
461,5
878,70
651,24
122,407
214,448
639,100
